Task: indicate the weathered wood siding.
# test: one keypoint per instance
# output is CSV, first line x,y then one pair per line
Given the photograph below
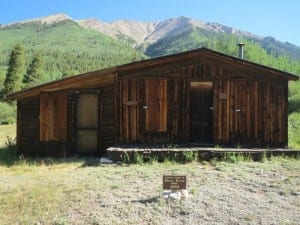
x,y
152,104
156,109
28,126
248,109
53,116
107,121
273,113
128,100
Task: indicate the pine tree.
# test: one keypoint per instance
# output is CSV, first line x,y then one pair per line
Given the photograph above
x,y
15,71
34,73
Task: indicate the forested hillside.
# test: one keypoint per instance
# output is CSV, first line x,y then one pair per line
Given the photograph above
x,y
65,47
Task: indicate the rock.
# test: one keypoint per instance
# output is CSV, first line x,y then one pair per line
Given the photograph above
x,y
106,160
176,195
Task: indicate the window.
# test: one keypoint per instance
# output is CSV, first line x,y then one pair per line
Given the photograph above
x,y
156,105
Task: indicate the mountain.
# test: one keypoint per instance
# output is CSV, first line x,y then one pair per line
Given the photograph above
x,y
142,34
132,30
52,19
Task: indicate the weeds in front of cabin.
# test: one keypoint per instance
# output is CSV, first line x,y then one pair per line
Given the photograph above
x,y
137,158
190,156
8,154
236,157
125,158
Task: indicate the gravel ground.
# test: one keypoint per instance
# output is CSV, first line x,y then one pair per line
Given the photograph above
x,y
243,193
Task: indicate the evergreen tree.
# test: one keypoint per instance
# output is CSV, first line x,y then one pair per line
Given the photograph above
x,y
15,71
34,73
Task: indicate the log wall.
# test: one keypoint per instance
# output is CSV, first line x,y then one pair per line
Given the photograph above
x,y
53,116
107,122
28,126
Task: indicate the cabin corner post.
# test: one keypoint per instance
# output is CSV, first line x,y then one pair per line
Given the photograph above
x,y
18,128
286,110
117,107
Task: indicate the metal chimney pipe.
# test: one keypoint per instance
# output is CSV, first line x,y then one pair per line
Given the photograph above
x,y
241,50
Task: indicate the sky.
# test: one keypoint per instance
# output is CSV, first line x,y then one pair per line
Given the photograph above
x,y
277,18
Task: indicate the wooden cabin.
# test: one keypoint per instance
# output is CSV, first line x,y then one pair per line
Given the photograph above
x,y
199,96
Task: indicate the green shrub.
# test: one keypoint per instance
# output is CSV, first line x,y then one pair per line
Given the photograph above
x,y
236,157
189,156
137,158
294,97
125,157
294,130
8,154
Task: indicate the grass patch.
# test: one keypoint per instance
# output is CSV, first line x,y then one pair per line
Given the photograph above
x,y
7,132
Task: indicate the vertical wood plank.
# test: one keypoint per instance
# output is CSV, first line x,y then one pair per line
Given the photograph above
x,y
156,100
60,102
53,116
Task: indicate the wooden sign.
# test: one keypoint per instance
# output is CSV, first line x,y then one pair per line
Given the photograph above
x,y
223,96
131,103
174,182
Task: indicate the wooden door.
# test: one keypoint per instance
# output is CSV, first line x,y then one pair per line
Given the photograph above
x,y
243,113
201,120
156,103
88,123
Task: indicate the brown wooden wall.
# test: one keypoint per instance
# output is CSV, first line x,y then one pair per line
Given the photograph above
x,y
107,122
248,109
41,125
53,116
48,125
273,113
154,106
28,126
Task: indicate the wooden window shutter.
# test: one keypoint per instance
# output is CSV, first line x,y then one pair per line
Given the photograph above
x,y
53,116
156,105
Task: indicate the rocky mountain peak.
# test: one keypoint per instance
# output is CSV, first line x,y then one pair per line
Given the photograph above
x,y
136,30
51,19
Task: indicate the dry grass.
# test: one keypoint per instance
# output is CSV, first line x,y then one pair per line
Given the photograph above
x,y
7,131
80,191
